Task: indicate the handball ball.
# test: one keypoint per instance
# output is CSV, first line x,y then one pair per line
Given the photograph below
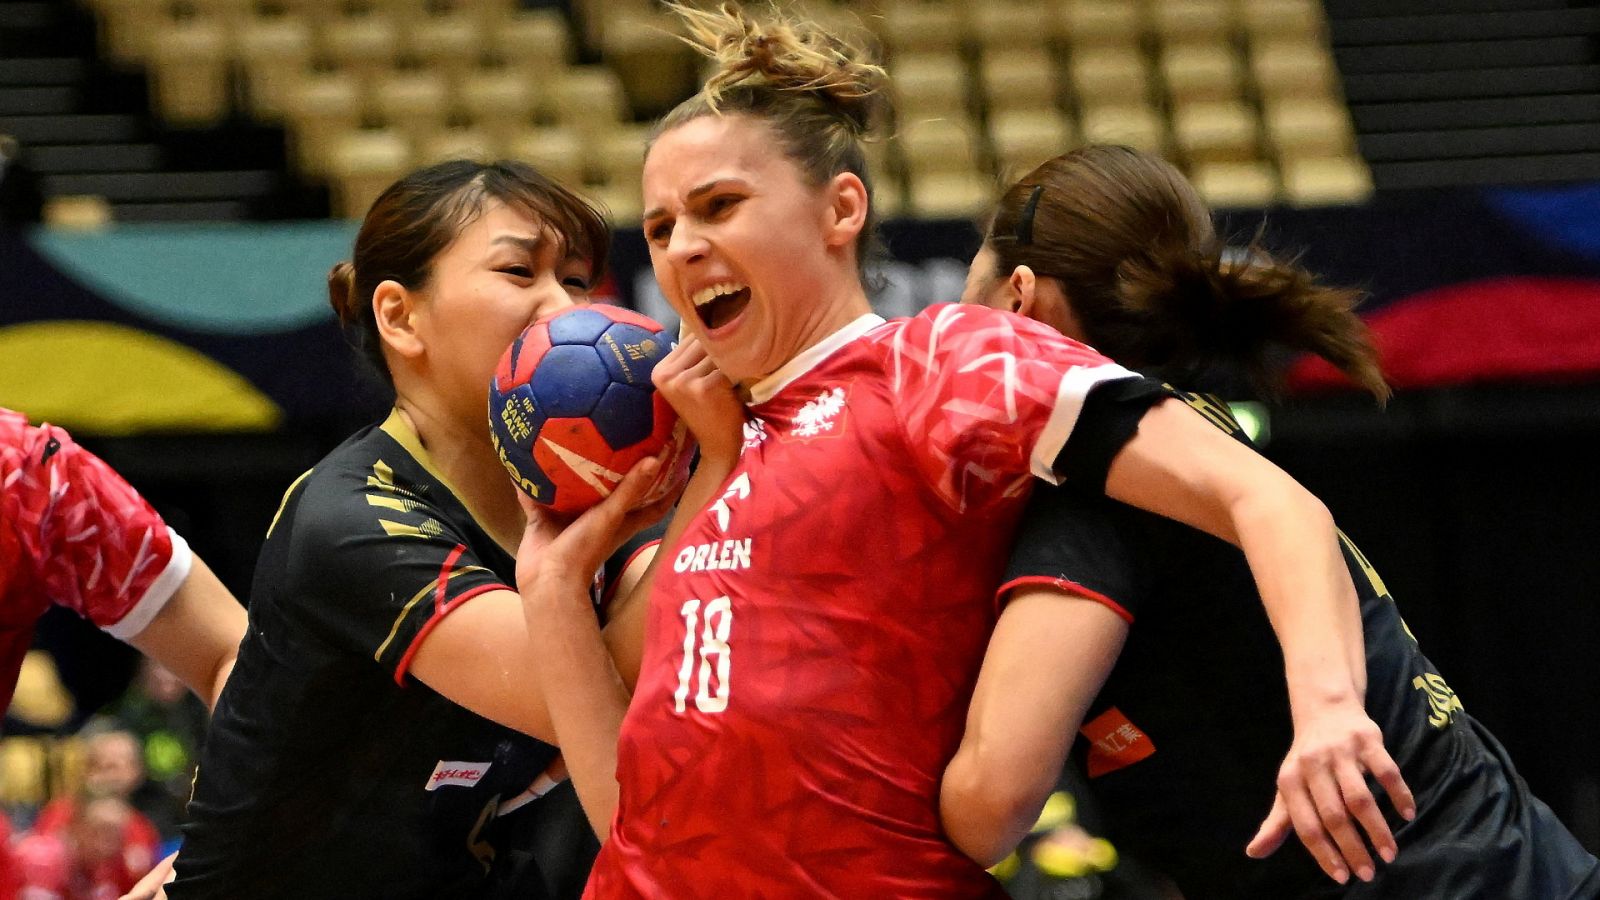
x,y
572,409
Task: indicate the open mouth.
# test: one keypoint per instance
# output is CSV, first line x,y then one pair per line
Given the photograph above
x,y
719,304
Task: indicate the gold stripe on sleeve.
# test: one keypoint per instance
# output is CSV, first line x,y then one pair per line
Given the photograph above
x,y
427,589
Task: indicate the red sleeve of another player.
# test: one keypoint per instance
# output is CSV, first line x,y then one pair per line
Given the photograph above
x,y
989,398
92,543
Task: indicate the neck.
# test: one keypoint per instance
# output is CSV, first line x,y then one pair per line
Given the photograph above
x,y
833,312
465,457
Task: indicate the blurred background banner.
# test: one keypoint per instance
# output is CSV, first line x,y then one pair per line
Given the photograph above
x,y
227,328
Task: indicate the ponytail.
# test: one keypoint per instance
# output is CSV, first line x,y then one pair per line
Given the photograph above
x,y
1154,287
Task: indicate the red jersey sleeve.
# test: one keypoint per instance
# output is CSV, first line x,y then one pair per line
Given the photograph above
x,y
989,398
79,535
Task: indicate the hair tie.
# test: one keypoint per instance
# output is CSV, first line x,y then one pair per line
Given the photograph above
x,y
1024,229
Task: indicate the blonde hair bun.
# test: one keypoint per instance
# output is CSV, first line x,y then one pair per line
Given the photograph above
x,y
785,54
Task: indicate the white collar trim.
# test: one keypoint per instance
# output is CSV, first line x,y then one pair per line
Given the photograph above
x,y
811,357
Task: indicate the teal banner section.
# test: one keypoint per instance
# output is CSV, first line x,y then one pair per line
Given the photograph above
x,y
240,280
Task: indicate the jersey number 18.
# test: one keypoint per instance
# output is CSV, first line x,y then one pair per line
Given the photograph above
x,y
714,654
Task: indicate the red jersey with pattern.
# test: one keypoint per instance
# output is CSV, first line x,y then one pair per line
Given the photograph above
x,y
73,533
814,637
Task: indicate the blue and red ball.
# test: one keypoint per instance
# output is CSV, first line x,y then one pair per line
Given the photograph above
x,y
572,408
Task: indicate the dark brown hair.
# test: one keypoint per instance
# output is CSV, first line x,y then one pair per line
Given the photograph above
x,y
417,217
817,91
1153,285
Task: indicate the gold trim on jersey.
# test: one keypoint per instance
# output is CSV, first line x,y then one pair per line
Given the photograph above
x,y
396,427
399,499
285,501
427,589
1211,407
1443,704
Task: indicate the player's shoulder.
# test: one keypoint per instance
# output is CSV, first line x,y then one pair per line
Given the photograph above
x,y
24,443
368,480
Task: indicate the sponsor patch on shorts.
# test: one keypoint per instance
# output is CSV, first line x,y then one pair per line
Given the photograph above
x,y
451,772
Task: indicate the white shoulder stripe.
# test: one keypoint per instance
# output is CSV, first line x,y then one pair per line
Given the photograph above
x,y
1074,389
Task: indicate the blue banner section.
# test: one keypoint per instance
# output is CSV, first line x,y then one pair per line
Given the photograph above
x,y
251,299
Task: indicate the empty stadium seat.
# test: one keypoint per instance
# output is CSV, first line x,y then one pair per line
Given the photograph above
x,y
1088,23
1282,18
76,212
271,53
937,145
1292,68
1019,79
1193,20
656,69
1136,125
1309,127
502,101
617,156
189,66
589,99
464,142
450,43
1109,75
128,26
535,40
362,163
556,151
417,102
365,43
1024,138
929,83
1011,24
1326,182
1216,131
950,195
913,25
319,107
1209,71
1236,184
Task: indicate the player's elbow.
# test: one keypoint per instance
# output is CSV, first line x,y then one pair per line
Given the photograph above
x,y
986,809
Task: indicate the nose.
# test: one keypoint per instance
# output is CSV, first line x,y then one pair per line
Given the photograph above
x,y
554,297
686,245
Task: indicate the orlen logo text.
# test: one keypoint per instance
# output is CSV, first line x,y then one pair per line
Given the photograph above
x,y
458,774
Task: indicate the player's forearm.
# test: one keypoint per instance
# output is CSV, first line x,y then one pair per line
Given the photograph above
x,y
1293,548
197,633
583,692
624,631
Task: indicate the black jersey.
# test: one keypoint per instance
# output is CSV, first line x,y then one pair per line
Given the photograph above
x,y
328,771
1183,743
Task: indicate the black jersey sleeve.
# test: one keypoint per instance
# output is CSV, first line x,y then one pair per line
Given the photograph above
x,y
1109,419
626,554
377,564
1071,540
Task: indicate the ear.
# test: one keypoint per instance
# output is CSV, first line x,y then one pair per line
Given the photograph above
x,y
1023,288
847,210
395,308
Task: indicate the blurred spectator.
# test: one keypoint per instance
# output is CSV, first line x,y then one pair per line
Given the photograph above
x,y
113,767
170,723
91,858
20,199
10,867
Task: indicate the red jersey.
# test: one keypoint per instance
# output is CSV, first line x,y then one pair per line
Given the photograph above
x,y
73,533
814,638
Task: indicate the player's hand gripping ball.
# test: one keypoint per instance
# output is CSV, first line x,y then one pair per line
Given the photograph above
x,y
571,407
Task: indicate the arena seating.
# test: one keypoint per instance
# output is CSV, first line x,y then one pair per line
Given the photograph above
x,y
1237,93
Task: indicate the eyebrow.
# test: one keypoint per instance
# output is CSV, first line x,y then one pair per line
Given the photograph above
x,y
529,244
694,194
